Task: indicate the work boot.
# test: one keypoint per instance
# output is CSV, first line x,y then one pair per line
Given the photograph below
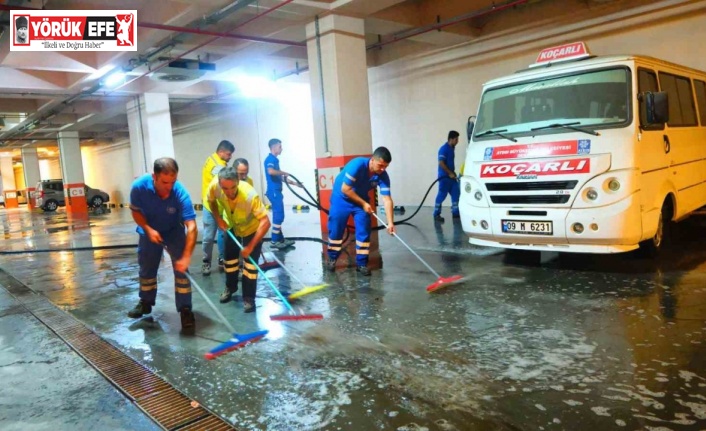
x,y
248,305
140,309
206,268
281,245
438,219
330,265
363,270
187,318
226,296
221,265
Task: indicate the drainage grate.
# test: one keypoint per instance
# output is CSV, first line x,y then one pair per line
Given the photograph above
x,y
167,406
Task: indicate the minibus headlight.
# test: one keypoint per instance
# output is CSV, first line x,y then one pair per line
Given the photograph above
x,y
478,195
614,185
467,187
592,194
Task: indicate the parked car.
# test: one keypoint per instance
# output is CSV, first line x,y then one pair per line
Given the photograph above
x,y
50,195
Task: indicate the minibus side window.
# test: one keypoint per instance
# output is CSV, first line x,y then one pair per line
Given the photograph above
x,y
700,87
682,111
647,83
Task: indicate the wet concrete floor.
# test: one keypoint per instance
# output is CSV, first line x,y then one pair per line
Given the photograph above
x,y
562,342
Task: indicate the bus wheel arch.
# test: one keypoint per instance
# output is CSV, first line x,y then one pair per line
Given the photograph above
x,y
653,246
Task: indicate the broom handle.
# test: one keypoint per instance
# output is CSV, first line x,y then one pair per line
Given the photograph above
x,y
284,300
291,274
409,248
208,301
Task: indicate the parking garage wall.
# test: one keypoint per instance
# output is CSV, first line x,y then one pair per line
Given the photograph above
x,y
249,124
109,169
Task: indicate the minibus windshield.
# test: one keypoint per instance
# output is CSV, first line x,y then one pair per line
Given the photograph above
x,y
595,99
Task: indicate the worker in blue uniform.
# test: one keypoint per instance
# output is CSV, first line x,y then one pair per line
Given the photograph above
x,y
350,196
162,209
275,177
448,181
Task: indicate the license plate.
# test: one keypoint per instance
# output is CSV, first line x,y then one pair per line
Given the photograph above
x,y
528,227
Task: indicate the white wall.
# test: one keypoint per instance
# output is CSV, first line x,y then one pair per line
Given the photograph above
x,y
249,126
49,169
109,169
416,101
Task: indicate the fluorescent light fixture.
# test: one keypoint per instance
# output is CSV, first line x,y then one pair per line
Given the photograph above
x,y
255,87
114,79
86,117
98,74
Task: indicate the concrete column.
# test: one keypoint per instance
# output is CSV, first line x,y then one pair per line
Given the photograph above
x,y
30,163
72,173
340,99
8,181
150,128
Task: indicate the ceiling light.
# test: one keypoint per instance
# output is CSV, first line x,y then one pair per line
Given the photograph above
x,y
114,79
101,72
255,86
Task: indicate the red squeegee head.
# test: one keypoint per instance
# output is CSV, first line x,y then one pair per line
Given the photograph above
x,y
444,282
286,317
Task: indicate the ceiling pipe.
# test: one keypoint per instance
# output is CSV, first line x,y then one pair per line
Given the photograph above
x,y
396,38
166,63
406,34
219,34
226,34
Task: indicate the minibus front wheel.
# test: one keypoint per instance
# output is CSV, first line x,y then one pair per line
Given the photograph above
x,y
654,245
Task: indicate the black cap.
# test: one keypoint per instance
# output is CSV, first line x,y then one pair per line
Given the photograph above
x,y
21,21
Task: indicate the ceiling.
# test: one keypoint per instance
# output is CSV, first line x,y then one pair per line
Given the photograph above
x,y
44,93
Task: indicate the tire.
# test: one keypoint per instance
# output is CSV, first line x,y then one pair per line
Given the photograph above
x,y
50,205
96,202
653,246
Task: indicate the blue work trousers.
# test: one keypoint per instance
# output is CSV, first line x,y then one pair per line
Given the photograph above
x,y
337,221
447,186
277,201
149,256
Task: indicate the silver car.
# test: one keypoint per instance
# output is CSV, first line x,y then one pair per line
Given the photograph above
x,y
50,195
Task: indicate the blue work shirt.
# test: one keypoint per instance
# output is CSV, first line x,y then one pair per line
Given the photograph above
x,y
274,182
447,154
356,175
162,215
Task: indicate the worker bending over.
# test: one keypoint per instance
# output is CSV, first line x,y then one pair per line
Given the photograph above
x,y
350,196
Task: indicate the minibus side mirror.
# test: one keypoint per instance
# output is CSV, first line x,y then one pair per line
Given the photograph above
x,y
469,128
654,110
